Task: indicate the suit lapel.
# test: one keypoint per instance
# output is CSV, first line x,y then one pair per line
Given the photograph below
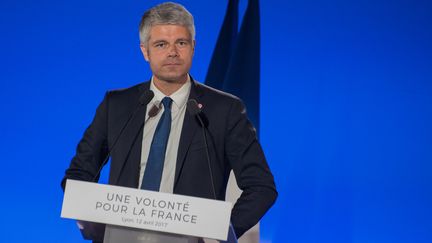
x,y
190,126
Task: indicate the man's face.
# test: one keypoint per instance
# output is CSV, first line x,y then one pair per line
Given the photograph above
x,y
169,52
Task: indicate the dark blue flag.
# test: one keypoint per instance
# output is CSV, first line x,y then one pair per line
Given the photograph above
x,y
224,47
235,64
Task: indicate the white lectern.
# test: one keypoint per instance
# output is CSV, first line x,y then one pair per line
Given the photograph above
x,y
139,216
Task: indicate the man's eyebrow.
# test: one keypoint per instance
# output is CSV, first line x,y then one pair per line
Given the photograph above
x,y
158,41
184,39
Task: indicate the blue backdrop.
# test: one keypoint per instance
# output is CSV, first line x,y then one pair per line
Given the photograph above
x,y
346,108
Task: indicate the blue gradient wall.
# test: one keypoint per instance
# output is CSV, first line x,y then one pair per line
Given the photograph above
x,y
346,108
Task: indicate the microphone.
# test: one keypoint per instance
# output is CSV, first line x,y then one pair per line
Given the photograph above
x,y
144,99
195,110
154,110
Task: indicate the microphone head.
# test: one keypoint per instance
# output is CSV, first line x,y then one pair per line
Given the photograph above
x,y
146,97
154,110
195,110
192,107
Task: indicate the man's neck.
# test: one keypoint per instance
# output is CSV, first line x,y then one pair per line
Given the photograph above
x,y
169,87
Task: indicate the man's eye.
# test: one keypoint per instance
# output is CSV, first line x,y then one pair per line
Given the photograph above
x,y
160,45
183,43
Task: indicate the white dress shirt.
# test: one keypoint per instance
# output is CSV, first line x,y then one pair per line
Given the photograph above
x,y
178,109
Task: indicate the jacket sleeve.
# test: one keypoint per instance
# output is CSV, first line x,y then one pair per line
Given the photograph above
x,y
251,170
92,149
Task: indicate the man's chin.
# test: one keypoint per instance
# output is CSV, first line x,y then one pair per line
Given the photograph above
x,y
172,78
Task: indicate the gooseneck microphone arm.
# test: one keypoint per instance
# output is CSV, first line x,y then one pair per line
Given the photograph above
x,y
144,99
154,110
194,110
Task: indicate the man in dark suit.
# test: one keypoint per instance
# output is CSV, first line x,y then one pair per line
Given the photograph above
x,y
167,36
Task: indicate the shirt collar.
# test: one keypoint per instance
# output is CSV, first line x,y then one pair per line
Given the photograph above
x,y
179,97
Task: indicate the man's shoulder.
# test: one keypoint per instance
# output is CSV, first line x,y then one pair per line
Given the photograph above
x,y
126,96
215,94
132,90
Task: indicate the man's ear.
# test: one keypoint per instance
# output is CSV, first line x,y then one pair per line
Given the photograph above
x,y
193,47
144,52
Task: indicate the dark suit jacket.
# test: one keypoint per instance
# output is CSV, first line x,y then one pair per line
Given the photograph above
x,y
232,145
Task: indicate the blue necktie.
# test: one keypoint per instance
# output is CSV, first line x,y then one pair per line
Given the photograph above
x,y
155,162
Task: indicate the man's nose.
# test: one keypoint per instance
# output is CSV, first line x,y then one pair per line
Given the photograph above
x,y
173,52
